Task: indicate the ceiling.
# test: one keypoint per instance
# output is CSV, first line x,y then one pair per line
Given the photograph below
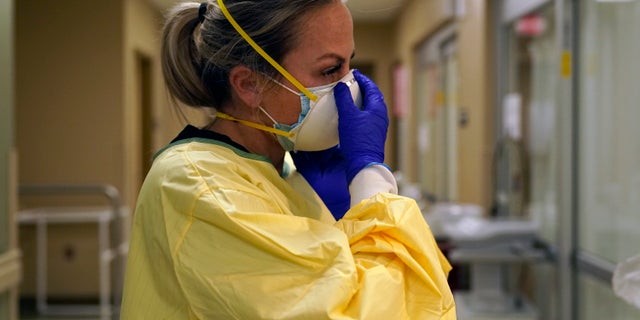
x,y
361,10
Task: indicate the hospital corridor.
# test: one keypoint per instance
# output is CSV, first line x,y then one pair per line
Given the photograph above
x,y
513,133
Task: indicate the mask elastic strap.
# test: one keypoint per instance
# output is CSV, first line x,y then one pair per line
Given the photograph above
x,y
255,125
266,56
268,115
282,85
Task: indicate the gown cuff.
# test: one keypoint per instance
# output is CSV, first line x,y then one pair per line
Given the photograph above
x,y
370,181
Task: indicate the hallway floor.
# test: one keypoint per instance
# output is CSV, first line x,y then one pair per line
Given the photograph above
x,y
85,311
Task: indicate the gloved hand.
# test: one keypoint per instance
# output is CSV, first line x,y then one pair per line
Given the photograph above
x,y
326,173
362,132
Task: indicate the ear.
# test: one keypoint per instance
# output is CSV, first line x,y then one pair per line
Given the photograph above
x,y
245,84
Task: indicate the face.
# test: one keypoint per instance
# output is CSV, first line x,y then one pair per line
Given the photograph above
x,y
321,55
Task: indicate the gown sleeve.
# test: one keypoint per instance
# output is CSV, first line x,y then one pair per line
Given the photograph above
x,y
398,261
379,262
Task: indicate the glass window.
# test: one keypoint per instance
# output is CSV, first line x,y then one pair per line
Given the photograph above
x,y
609,143
526,155
526,182
598,302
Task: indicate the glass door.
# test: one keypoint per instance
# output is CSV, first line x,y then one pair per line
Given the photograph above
x,y
524,153
527,137
608,152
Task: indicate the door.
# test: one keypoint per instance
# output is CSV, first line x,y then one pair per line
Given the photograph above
x,y
147,127
436,98
526,155
608,161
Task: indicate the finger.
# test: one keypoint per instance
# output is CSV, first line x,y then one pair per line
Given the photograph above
x,y
344,101
372,97
366,85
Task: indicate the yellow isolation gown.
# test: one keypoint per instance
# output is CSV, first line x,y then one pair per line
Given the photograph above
x,y
219,234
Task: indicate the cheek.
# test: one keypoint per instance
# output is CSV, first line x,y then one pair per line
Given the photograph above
x,y
291,108
285,108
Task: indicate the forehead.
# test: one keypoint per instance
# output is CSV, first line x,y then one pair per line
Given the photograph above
x,y
328,29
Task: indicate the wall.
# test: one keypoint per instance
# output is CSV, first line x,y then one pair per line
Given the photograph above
x,y
418,20
372,41
143,25
79,86
6,115
9,257
69,128
69,94
475,141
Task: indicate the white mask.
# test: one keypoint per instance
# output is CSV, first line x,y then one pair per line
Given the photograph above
x,y
317,125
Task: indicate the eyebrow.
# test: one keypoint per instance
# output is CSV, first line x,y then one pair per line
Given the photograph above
x,y
336,56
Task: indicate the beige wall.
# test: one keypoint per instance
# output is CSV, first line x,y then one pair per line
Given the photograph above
x,y
475,141
9,256
69,94
78,116
69,111
6,115
418,20
373,41
386,43
142,38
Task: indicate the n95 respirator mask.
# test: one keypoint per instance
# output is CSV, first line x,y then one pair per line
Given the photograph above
x,y
317,125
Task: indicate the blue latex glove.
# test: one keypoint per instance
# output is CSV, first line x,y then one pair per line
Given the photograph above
x,y
362,132
326,173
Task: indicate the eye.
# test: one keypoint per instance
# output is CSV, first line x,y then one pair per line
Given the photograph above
x,y
332,71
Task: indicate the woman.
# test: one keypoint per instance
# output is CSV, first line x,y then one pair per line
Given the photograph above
x,y
224,230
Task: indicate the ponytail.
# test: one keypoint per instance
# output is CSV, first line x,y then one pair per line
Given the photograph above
x,y
182,63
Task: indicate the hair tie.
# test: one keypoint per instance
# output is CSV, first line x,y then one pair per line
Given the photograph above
x,y
202,11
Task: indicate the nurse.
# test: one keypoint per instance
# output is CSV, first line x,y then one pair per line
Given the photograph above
x,y
225,228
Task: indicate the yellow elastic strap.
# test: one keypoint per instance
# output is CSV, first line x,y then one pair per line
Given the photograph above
x,y
266,56
255,125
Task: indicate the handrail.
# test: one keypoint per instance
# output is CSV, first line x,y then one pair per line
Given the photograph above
x,y
110,192
588,263
107,190
597,267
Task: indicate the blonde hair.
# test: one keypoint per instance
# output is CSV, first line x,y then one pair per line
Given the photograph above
x,y
198,56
